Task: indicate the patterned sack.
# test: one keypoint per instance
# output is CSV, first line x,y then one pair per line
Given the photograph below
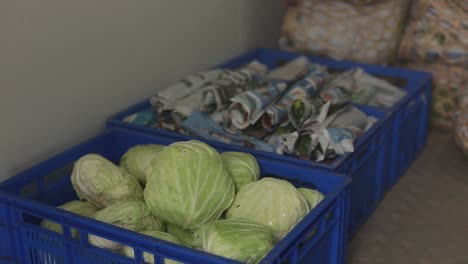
x,y
362,2
437,32
461,121
368,32
447,82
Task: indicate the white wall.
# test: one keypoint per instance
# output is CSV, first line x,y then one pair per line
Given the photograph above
x,y
67,65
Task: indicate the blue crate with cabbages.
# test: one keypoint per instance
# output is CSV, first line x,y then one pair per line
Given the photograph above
x,y
29,199
377,155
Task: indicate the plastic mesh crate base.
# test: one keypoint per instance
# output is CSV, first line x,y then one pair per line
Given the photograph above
x,y
26,199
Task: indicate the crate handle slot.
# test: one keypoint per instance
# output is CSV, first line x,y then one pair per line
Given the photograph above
x,y
362,153
380,137
158,259
347,167
309,236
329,216
57,175
30,189
6,259
411,104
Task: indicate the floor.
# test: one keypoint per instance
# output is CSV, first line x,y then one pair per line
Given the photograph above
x,y
424,218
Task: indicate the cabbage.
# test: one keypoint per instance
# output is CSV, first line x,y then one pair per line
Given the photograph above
x,y
77,207
243,168
184,236
137,160
313,197
188,185
149,258
270,202
131,215
102,183
237,239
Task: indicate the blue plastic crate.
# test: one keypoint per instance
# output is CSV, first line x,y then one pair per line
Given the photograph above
x,y
382,154
29,197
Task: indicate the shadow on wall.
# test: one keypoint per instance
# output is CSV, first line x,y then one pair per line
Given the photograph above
x,y
262,21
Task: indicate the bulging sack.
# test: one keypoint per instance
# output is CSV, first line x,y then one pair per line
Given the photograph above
x,y
437,32
461,121
341,29
447,82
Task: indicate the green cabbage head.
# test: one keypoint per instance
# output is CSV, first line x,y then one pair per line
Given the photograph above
x,y
237,239
149,258
188,185
270,202
243,168
138,158
77,207
184,236
102,183
131,215
313,197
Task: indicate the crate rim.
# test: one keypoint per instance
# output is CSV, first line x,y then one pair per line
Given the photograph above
x,y
23,175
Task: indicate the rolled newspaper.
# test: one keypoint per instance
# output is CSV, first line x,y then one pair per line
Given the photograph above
x,y
283,139
306,143
247,108
339,89
362,88
217,95
373,91
143,118
342,139
345,128
351,117
291,71
334,95
165,99
304,109
277,114
204,126
234,81
334,135
301,142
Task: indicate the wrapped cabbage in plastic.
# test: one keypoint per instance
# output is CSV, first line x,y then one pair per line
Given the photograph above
x,y
102,183
313,197
138,158
149,258
184,236
270,202
188,185
77,207
238,239
131,215
243,168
